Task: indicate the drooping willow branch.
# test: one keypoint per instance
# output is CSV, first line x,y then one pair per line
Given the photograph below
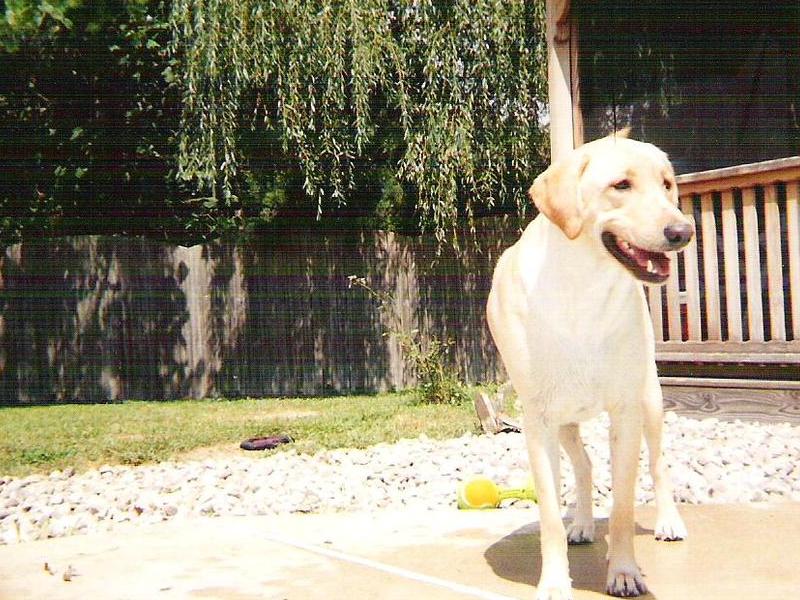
x,y
460,84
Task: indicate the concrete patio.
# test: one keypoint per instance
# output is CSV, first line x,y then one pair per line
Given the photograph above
x,y
733,552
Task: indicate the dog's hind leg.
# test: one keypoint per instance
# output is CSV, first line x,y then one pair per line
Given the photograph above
x,y
581,530
669,525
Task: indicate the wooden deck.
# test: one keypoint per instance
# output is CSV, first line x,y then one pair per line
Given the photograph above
x,y
735,296
734,299
746,399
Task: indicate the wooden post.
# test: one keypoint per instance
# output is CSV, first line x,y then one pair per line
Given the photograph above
x,y
566,127
793,239
730,241
575,84
752,265
772,233
708,224
691,271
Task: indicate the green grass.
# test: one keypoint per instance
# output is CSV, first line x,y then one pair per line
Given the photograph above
x,y
40,439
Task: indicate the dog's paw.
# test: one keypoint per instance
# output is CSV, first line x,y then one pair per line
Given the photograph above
x,y
670,527
580,532
547,592
625,583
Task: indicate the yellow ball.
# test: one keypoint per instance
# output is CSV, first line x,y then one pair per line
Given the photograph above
x,y
478,492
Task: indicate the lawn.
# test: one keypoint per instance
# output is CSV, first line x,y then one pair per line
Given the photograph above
x,y
41,439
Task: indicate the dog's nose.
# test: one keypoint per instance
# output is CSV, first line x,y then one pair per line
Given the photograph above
x,y
678,234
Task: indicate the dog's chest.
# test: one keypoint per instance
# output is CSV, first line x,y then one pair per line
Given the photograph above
x,y
582,384
583,363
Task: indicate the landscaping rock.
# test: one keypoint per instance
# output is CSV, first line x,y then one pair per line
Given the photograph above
x,y
710,461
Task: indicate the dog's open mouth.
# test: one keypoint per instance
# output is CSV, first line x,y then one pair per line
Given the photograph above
x,y
652,267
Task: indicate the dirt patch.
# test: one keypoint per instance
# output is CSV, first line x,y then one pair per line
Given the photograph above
x,y
291,414
129,437
226,450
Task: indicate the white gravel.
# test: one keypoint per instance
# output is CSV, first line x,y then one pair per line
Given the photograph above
x,y
711,461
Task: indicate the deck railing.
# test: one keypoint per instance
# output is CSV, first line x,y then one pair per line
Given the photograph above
x,y
735,294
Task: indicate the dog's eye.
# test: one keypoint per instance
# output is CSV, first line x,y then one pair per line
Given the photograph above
x,y
667,184
623,185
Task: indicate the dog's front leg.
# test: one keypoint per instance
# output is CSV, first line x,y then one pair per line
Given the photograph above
x,y
624,577
669,525
554,582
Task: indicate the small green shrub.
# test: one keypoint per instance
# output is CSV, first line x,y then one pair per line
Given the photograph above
x,y
438,383
426,356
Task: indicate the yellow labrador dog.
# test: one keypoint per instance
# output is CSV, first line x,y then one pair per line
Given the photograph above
x,y
568,314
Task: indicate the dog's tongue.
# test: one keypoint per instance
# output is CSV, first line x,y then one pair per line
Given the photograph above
x,y
659,260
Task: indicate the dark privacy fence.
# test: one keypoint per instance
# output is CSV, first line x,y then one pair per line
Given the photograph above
x,y
93,319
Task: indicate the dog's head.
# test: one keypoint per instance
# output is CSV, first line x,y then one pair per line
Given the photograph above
x,y
622,194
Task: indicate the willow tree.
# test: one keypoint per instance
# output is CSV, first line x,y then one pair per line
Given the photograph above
x,y
447,95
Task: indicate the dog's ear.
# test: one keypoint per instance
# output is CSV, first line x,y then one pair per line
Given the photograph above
x,y
556,193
